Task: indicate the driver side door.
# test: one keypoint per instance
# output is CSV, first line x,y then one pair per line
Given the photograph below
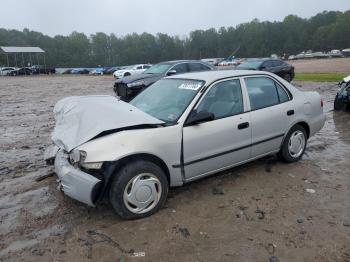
x,y
223,142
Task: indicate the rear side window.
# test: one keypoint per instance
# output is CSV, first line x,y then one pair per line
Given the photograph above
x,y
283,96
262,92
195,67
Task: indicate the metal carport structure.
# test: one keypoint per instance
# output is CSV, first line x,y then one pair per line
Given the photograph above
x,y
31,52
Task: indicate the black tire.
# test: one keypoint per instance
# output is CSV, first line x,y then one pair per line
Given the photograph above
x,y
284,153
287,77
121,181
338,104
127,74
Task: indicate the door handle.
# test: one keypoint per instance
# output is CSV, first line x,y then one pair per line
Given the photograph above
x,y
243,125
290,112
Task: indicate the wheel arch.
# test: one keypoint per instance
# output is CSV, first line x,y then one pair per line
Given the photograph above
x,y
112,167
300,123
305,126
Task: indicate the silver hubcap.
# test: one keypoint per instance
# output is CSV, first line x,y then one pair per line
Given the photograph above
x,y
142,193
296,144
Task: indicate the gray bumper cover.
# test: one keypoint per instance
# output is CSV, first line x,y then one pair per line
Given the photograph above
x,y
74,182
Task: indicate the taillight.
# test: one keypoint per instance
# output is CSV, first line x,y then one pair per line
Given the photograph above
x,y
321,102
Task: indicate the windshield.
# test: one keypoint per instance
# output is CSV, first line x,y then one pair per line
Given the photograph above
x,y
250,64
167,99
158,69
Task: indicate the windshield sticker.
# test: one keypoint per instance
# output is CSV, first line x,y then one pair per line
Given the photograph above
x,y
190,86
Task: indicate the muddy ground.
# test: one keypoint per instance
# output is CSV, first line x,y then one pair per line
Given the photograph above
x,y
262,211
339,65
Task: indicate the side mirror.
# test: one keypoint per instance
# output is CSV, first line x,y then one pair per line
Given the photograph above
x,y
200,117
262,68
171,72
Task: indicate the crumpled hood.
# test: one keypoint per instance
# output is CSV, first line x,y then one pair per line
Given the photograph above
x,y
81,118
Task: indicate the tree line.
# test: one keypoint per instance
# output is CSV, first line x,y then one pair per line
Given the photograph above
x,y
322,32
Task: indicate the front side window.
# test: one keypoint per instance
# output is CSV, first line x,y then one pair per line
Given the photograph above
x,y
223,99
158,69
180,68
268,64
167,99
262,92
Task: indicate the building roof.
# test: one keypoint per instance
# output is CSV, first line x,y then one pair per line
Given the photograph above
x,y
20,49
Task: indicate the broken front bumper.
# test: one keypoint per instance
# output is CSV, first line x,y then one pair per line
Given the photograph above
x,y
75,183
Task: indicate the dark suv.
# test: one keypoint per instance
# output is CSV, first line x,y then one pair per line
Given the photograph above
x,y
275,66
130,86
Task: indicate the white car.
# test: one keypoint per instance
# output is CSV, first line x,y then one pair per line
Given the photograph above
x,y
180,129
5,70
131,70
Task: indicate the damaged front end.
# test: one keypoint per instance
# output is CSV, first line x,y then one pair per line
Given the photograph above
x,y
78,121
78,181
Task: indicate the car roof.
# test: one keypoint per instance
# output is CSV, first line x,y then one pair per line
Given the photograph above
x,y
261,59
211,76
180,61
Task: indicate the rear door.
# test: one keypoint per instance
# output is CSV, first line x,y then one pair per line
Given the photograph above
x,y
222,142
272,112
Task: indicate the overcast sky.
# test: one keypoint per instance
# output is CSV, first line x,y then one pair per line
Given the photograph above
x,y
175,17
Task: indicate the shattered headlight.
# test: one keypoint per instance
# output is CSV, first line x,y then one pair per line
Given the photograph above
x,y
77,157
137,83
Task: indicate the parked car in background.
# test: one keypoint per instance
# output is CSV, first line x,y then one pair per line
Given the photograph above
x,y
180,129
5,70
212,61
131,70
320,55
20,71
40,69
130,86
292,57
346,52
111,70
79,71
276,66
342,98
335,53
97,71
308,54
230,62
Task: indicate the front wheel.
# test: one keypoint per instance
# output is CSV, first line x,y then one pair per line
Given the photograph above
x,y
138,190
294,144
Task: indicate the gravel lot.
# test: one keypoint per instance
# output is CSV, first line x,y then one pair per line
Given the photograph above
x,y
254,212
339,65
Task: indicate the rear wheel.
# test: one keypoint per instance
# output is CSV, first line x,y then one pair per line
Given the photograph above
x,y
294,144
127,74
138,190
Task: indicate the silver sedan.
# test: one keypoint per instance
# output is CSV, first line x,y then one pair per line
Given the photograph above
x,y
180,129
